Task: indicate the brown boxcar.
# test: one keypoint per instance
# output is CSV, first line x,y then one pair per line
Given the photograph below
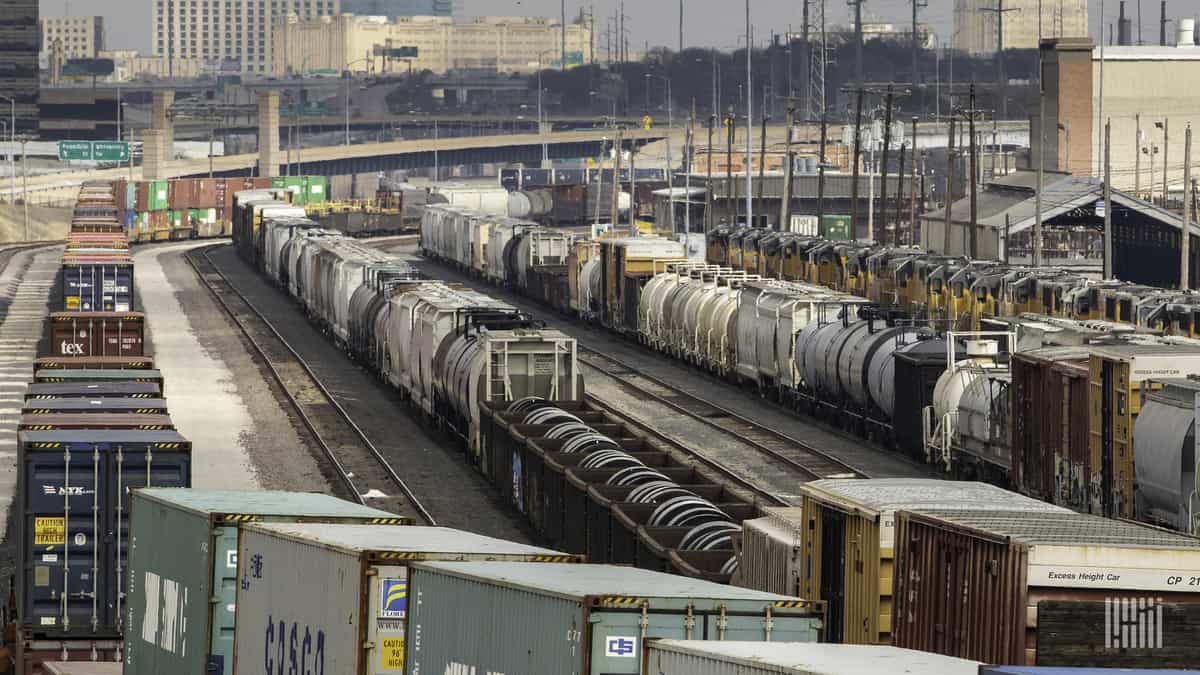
x,y
44,422
118,334
969,583
1051,458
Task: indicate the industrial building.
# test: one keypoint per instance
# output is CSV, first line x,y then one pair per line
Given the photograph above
x,y
72,37
503,44
1150,95
1145,236
977,23
229,35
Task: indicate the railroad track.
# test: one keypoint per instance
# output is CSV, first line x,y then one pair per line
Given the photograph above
x,y
367,476
792,457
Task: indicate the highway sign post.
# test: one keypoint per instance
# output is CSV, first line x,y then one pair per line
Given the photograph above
x,y
110,151
72,150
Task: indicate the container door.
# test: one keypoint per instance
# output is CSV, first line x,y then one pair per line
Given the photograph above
x,y
224,585
60,550
163,465
389,607
833,564
616,644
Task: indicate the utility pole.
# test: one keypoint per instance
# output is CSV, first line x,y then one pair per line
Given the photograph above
x,y
899,196
950,166
1137,158
789,159
1108,248
912,211
1162,24
858,42
1041,166
1185,257
974,180
618,150
1002,74
562,64
708,195
821,178
1166,167
749,118
887,144
858,104
762,157
730,204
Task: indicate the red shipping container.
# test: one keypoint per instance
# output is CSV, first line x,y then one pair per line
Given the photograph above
x,y
259,184
141,198
97,333
205,194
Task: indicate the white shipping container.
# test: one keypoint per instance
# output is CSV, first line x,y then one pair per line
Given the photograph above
x,y
700,657
323,598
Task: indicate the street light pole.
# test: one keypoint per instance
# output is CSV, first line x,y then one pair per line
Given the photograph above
x,y
12,142
541,130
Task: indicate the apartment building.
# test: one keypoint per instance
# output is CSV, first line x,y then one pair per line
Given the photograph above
x,y
76,37
228,35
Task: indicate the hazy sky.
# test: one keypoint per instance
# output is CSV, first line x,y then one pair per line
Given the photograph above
x,y
708,22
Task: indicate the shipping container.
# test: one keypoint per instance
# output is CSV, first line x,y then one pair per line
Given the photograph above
x,y
345,588
1001,566
74,488
847,540
1164,439
704,657
549,619
85,389
95,375
188,539
97,334
158,195
79,404
96,286
1051,457
837,227
94,420
94,362
1115,376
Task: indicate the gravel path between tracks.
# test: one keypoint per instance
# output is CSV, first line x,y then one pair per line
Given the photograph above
x,y
434,467
866,457
243,433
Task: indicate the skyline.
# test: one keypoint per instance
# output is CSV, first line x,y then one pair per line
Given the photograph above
x,y
644,20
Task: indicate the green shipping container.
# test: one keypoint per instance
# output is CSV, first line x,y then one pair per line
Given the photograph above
x,y
182,581
143,222
174,219
156,199
278,181
317,190
836,227
201,216
550,619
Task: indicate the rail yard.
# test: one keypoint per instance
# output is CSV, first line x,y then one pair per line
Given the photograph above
x,y
583,417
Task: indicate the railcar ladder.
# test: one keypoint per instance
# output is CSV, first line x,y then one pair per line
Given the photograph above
x,y
498,381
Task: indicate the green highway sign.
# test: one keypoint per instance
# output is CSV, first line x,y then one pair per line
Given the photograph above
x,y
99,151
68,150
110,151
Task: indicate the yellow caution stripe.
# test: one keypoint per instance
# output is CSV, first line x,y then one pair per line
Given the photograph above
x,y
168,446
238,518
620,601
793,603
46,445
391,521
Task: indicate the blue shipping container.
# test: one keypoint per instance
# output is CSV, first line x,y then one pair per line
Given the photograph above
x,y
130,221
72,534
96,287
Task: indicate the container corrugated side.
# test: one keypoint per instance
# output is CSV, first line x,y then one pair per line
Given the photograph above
x,y
704,657
331,589
186,540
604,612
1007,563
